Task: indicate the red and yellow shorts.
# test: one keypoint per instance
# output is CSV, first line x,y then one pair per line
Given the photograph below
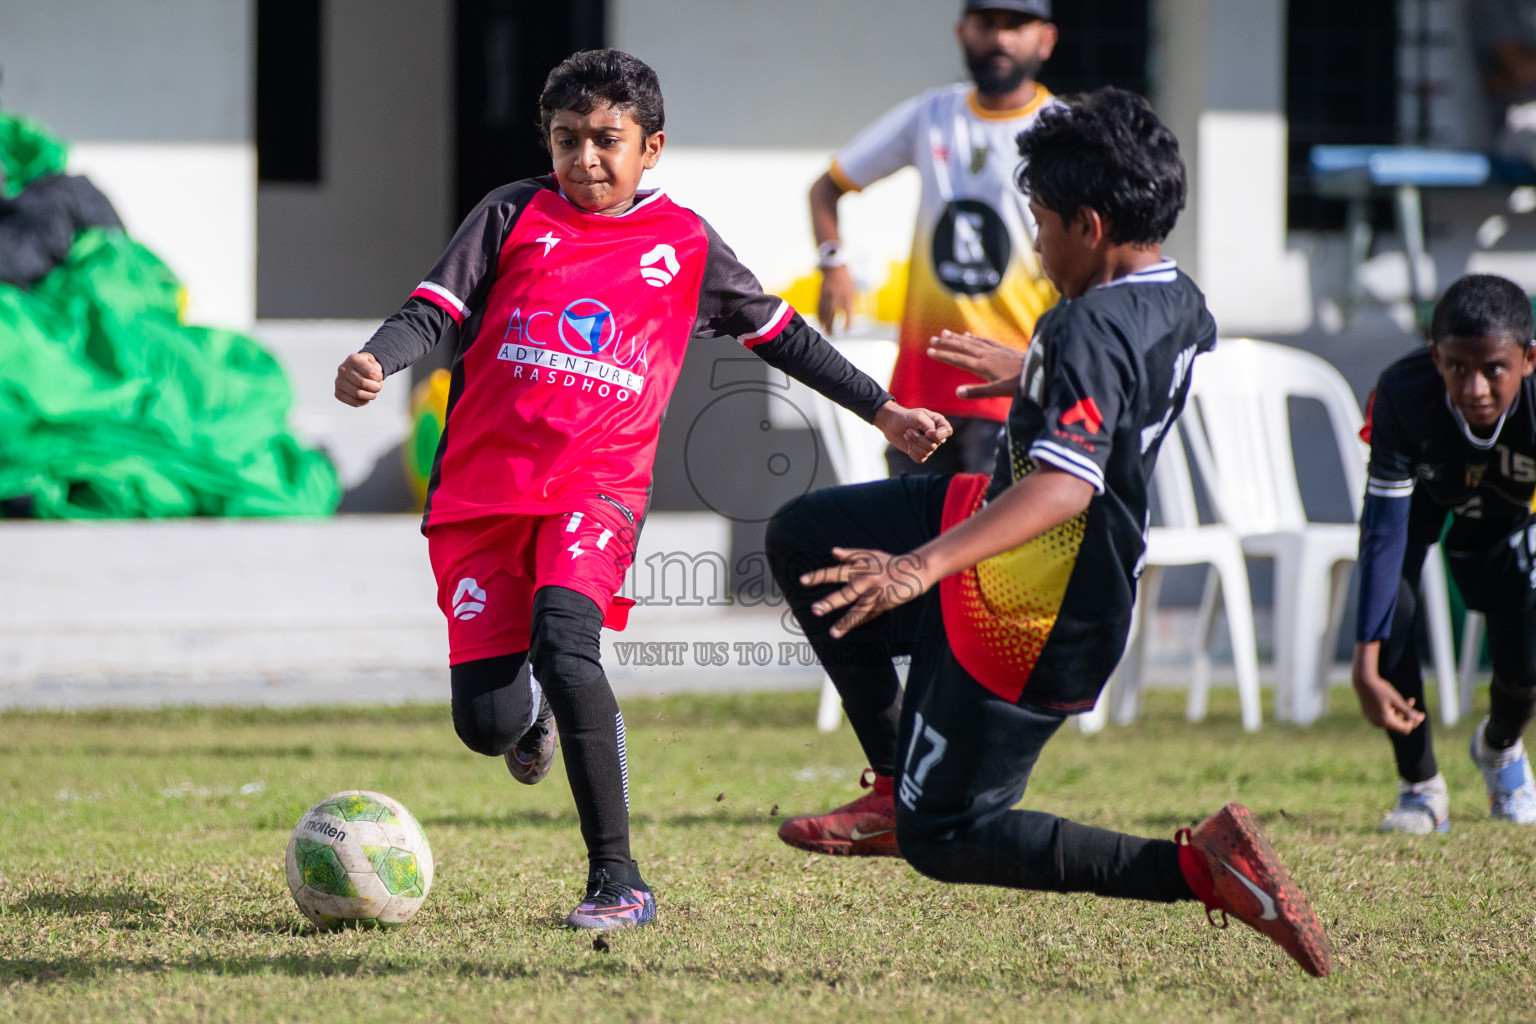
x,y
488,570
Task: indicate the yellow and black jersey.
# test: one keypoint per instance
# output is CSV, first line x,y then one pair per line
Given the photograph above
x,y
973,261
1104,380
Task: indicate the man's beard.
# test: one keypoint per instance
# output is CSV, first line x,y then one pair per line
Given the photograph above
x,y
992,80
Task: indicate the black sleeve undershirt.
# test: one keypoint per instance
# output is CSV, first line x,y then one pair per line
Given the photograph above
x,y
409,334
805,355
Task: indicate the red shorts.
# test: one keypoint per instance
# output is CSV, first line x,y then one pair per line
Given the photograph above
x,y
488,569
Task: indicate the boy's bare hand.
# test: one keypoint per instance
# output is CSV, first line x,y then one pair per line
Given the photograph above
x,y
875,582
917,432
359,379
1382,705
838,294
998,364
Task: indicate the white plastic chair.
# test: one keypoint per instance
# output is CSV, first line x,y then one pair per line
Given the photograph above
x,y
857,452
1238,425
1471,655
1182,539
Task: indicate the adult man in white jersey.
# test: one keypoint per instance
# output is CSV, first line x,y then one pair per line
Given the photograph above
x,y
973,268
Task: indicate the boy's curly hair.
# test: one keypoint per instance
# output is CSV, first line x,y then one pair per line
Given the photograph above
x,y
589,77
1483,304
1108,151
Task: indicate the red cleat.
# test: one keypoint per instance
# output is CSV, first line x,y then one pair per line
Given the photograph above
x,y
1230,864
864,828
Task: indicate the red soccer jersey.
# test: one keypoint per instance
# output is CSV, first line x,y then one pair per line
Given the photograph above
x,y
574,329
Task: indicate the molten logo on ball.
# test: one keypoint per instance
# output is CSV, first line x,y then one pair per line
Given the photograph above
x,y
358,860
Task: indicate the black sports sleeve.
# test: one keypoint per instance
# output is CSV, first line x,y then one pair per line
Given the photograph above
x,y
801,351
409,334
732,304
1089,385
1384,517
461,280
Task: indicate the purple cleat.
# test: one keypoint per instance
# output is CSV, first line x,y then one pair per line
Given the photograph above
x,y
611,905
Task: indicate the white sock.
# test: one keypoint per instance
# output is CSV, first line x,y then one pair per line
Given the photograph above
x,y
1433,791
1435,785
535,694
1491,756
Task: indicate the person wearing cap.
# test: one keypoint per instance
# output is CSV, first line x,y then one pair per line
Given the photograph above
x,y
974,273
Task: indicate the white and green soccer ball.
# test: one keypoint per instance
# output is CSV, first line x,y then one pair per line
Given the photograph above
x,y
358,860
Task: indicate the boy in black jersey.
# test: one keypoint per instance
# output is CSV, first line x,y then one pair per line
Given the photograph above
x,y
1013,593
1452,430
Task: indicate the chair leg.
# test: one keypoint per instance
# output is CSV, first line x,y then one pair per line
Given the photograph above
x,y
1131,673
1338,582
1308,601
1200,672
829,714
1285,571
1437,618
1471,658
1090,722
1245,651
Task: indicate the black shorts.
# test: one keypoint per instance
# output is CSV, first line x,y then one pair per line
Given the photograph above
x,y
966,753
1499,580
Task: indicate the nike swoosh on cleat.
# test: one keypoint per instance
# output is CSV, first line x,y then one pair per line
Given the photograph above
x,y
626,908
858,835
1264,898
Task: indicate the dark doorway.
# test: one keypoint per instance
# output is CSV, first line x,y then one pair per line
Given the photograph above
x,y
503,49
1341,88
288,90
1102,42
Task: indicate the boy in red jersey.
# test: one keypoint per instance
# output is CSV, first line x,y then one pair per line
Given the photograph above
x,y
573,298
1012,593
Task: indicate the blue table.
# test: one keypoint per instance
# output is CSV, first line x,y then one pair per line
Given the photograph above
x,y
1355,173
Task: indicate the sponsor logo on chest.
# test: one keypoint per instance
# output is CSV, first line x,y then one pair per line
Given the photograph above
x,y
582,345
589,343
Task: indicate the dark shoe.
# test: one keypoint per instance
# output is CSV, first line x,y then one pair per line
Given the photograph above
x,y
530,759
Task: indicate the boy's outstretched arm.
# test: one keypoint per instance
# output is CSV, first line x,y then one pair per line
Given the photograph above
x,y
401,340
359,379
1383,544
806,356
917,432
999,365
876,581
1384,519
1379,700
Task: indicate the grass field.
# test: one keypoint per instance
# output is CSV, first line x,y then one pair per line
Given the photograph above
x,y
141,878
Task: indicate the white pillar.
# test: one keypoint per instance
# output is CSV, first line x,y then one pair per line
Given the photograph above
x,y
1219,83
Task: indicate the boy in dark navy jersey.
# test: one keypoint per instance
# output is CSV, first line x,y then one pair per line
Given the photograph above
x,y
1013,593
573,298
1452,430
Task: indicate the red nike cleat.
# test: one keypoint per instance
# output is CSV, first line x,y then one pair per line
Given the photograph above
x,y
864,828
1230,864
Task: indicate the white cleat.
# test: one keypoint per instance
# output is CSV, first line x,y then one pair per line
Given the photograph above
x,y
1422,808
1507,774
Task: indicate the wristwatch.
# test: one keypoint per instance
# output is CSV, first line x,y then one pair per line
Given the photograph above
x,y
829,254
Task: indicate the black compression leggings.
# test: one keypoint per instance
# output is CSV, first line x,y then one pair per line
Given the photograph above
x,y
493,707
1497,580
890,515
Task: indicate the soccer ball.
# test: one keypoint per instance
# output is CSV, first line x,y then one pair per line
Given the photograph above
x,y
358,860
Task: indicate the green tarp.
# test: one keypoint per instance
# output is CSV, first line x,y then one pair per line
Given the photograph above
x,y
111,407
